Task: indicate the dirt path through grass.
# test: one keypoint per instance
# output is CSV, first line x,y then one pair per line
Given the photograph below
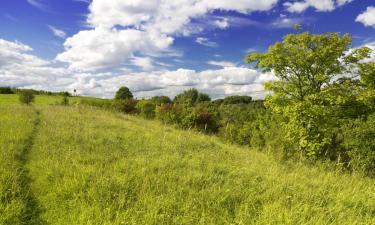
x,y
32,210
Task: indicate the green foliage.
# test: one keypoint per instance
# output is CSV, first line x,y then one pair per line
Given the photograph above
x,y
306,93
126,106
160,100
123,93
359,141
65,98
6,90
234,100
191,97
146,108
26,97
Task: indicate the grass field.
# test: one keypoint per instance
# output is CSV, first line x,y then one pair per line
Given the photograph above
x,y
41,100
75,165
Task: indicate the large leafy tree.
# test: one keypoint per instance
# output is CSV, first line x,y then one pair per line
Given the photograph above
x,y
123,93
316,78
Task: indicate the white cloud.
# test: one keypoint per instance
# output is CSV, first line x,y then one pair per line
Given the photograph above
x,y
121,29
367,17
206,42
222,63
102,47
146,63
318,5
19,68
217,83
57,32
286,22
222,24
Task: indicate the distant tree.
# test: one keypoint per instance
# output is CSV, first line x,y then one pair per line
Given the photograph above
x,y
203,97
191,97
6,90
26,96
159,100
123,93
308,91
236,99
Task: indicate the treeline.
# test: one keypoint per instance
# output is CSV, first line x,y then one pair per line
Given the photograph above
x,y
12,90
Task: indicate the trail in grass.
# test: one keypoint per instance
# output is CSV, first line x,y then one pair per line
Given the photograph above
x,y
31,216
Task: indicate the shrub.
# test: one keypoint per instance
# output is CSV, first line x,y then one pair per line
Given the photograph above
x,y
146,108
169,113
65,98
126,106
359,141
26,96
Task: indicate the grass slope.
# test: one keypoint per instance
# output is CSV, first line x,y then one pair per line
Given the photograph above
x,y
94,167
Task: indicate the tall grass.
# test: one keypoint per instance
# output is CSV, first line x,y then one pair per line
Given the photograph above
x,y
17,127
97,167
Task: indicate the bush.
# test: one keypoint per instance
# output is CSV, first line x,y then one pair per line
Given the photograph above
x,y
359,141
169,113
65,99
26,96
126,106
146,108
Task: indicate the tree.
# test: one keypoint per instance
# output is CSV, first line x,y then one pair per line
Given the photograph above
x,y
123,93
191,97
26,96
160,100
6,90
308,68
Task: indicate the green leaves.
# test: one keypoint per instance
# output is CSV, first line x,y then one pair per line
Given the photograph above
x,y
309,93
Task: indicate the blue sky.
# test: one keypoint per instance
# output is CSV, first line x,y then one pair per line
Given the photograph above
x,y
159,46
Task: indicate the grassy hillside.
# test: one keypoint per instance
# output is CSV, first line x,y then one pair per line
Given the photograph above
x,y
74,165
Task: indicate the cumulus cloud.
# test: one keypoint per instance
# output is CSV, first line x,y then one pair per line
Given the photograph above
x,y
57,32
18,67
121,29
318,5
367,17
217,83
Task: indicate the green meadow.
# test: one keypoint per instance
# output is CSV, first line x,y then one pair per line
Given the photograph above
x,y
81,165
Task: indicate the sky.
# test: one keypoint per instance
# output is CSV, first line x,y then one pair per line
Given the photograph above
x,y
160,47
